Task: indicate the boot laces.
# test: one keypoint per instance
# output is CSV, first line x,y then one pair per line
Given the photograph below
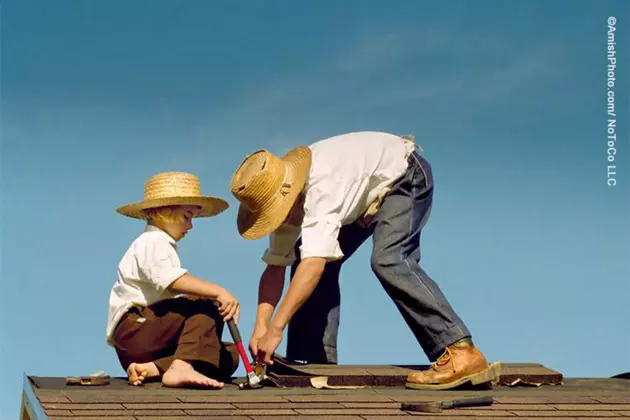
x,y
444,359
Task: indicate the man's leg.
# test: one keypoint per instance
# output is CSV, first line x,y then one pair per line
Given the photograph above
x,y
395,261
312,332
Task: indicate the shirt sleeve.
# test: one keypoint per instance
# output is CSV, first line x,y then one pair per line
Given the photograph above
x,y
163,265
325,209
281,250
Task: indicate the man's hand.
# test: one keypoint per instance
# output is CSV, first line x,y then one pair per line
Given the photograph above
x,y
259,332
268,345
228,306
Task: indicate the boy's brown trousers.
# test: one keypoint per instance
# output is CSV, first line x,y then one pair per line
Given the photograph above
x,y
185,328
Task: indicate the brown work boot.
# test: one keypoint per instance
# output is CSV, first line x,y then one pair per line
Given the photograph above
x,y
460,363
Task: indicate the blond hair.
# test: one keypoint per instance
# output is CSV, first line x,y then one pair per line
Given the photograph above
x,y
164,214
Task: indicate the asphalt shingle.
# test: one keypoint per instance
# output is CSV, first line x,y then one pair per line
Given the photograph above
x,y
573,399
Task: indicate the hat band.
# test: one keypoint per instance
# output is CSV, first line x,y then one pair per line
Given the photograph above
x,y
269,193
285,187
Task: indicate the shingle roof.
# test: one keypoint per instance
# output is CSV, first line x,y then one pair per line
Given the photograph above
x,y
574,399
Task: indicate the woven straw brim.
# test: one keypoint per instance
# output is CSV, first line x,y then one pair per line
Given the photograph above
x,y
259,224
210,206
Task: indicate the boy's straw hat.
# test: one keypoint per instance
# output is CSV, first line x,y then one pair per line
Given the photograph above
x,y
170,189
267,187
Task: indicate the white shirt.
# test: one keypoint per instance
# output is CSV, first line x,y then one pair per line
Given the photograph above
x,y
148,267
347,174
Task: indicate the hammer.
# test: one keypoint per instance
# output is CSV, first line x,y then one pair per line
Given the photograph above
x,y
253,380
438,406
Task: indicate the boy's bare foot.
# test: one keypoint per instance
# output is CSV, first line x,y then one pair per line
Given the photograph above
x,y
182,374
138,372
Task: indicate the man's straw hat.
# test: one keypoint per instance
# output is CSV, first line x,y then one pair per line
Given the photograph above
x,y
170,189
267,187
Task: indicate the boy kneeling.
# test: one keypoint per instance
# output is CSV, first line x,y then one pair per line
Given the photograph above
x,y
159,331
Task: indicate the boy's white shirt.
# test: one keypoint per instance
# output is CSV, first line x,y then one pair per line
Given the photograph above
x,y
148,267
348,172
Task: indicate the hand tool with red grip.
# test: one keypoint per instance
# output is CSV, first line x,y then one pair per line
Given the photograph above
x,y
252,378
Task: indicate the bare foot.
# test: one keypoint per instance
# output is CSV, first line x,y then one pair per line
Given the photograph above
x,y
182,374
138,372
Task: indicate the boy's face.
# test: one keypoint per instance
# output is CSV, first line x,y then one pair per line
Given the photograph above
x,y
178,230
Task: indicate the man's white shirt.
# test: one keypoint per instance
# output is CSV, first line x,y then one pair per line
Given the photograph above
x,y
348,172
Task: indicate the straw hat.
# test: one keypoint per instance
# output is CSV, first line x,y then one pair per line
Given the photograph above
x,y
174,188
267,187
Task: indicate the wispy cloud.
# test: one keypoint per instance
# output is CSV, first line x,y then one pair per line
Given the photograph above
x,y
530,67
358,69
399,66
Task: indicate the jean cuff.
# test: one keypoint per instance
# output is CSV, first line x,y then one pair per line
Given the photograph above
x,y
447,337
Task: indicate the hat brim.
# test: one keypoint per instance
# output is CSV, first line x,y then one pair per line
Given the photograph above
x,y
256,225
210,206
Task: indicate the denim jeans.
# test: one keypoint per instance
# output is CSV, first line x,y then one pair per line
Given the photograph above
x,y
395,229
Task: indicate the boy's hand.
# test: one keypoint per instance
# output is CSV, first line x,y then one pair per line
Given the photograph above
x,y
259,332
228,305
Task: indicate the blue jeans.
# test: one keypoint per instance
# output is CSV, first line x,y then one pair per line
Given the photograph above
x,y
396,229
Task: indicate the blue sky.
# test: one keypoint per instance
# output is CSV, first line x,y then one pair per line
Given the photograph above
x,y
508,99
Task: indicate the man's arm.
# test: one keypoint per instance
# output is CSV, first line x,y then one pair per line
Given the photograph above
x,y
306,277
269,293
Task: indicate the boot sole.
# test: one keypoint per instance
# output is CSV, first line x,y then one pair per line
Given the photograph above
x,y
489,375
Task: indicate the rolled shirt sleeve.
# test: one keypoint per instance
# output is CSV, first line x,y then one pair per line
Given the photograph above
x,y
320,238
281,250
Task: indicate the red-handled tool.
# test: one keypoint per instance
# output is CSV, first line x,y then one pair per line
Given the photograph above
x,y
252,379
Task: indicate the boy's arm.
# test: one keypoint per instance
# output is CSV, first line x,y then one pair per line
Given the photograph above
x,y
228,305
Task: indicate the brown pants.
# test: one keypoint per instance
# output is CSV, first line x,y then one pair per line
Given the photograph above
x,y
188,329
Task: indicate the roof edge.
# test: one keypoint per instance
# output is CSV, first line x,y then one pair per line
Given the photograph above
x,y
31,408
